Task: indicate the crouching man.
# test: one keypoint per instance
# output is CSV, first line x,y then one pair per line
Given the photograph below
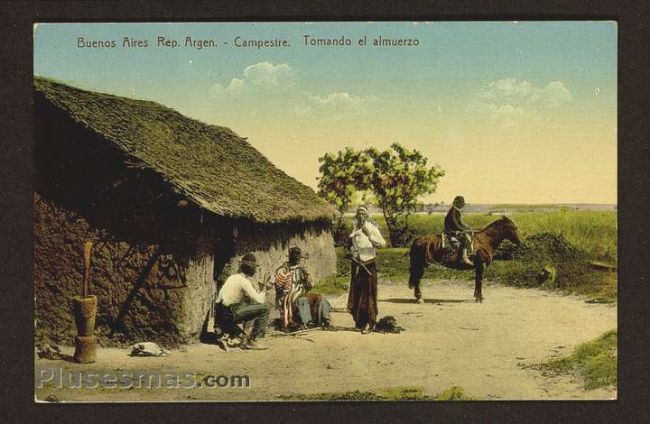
x,y
295,300
238,301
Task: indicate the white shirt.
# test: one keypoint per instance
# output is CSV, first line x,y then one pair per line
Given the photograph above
x,y
236,287
363,247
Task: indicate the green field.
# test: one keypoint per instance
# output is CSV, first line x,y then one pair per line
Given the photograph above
x,y
561,250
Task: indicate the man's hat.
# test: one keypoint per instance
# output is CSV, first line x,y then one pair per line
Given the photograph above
x,y
295,252
459,201
249,259
362,208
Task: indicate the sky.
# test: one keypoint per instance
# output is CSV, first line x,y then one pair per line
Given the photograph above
x,y
514,112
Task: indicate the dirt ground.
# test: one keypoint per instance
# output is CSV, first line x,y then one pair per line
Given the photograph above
x,y
449,341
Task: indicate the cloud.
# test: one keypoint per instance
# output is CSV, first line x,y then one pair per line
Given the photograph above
x,y
511,101
338,100
337,105
265,74
508,116
508,88
262,76
554,95
514,91
264,81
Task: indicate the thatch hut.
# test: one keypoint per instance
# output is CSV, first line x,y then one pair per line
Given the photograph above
x,y
170,204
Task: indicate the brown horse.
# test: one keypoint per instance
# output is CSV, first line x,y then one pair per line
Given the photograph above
x,y
429,249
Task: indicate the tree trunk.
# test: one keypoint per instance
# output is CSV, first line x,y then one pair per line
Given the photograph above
x,y
391,226
339,233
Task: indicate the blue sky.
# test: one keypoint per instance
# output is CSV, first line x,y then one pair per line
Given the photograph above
x,y
534,100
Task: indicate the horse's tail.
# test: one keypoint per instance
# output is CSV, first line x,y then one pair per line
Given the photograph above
x,y
416,262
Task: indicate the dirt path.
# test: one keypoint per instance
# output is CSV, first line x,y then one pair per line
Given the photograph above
x,y
450,341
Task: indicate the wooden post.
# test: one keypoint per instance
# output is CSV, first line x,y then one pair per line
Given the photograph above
x,y
88,246
85,311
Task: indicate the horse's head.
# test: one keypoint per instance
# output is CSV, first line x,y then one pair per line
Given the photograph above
x,y
509,230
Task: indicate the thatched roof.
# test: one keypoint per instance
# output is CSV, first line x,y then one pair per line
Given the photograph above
x,y
211,165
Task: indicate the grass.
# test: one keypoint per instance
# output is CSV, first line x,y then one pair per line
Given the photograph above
x,y
594,362
334,284
455,393
592,232
399,393
561,244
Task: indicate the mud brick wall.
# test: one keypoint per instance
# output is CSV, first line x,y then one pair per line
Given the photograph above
x,y
145,291
198,296
270,244
149,291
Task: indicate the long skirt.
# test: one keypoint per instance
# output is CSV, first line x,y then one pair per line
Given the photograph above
x,y
362,299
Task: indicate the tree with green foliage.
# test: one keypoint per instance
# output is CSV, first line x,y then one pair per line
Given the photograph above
x,y
398,177
342,174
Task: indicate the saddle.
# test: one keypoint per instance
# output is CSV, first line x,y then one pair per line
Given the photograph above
x,y
452,242
449,241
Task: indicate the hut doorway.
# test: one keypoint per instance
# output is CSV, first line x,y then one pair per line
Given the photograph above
x,y
225,248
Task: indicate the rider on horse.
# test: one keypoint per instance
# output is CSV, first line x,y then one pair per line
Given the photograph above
x,y
456,227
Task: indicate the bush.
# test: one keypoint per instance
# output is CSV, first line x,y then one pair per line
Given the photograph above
x,y
547,246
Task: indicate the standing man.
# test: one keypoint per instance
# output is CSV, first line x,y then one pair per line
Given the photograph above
x,y
456,227
362,299
238,301
294,298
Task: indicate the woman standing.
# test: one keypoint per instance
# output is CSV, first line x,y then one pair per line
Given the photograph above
x,y
362,299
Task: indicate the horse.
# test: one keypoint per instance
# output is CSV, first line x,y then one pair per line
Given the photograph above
x,y
428,249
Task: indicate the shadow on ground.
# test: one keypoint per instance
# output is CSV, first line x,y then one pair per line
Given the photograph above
x,y
427,300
